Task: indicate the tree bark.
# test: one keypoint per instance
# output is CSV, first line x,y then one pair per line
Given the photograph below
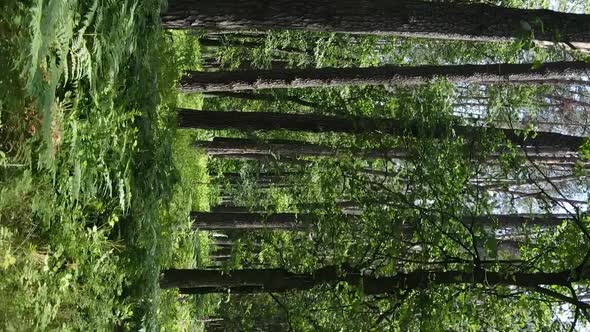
x,y
391,75
250,221
280,280
248,121
262,97
211,42
247,149
409,18
296,222
272,177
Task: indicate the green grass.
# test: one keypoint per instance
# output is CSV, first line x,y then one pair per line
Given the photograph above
x,y
91,199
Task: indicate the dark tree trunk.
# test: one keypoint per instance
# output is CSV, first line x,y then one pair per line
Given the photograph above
x,y
247,149
233,42
279,280
239,148
392,75
250,221
278,177
293,221
211,42
248,121
443,20
262,97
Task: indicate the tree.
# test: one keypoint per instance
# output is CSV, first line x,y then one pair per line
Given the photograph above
x,y
249,221
252,149
296,222
393,75
245,149
319,123
443,20
262,97
280,280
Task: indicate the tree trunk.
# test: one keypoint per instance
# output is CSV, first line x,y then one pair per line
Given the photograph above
x,y
248,149
273,177
279,280
262,97
391,75
211,42
249,121
297,222
410,18
250,221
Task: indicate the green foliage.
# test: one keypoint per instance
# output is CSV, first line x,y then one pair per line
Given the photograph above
x,y
89,206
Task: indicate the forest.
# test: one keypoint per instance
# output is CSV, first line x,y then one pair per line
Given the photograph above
x,y
300,165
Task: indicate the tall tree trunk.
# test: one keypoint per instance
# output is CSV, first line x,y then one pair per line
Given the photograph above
x,y
248,149
393,75
250,221
211,42
248,121
412,18
293,221
262,97
239,148
279,280
271,177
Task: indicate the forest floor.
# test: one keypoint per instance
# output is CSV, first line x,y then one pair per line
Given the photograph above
x,y
91,202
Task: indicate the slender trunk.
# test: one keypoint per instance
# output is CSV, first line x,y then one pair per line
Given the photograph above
x,y
248,121
391,75
233,42
250,221
279,280
210,42
246,149
236,147
296,222
412,18
273,177
242,34
262,97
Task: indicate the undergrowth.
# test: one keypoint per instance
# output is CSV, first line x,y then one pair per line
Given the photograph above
x,y
91,202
